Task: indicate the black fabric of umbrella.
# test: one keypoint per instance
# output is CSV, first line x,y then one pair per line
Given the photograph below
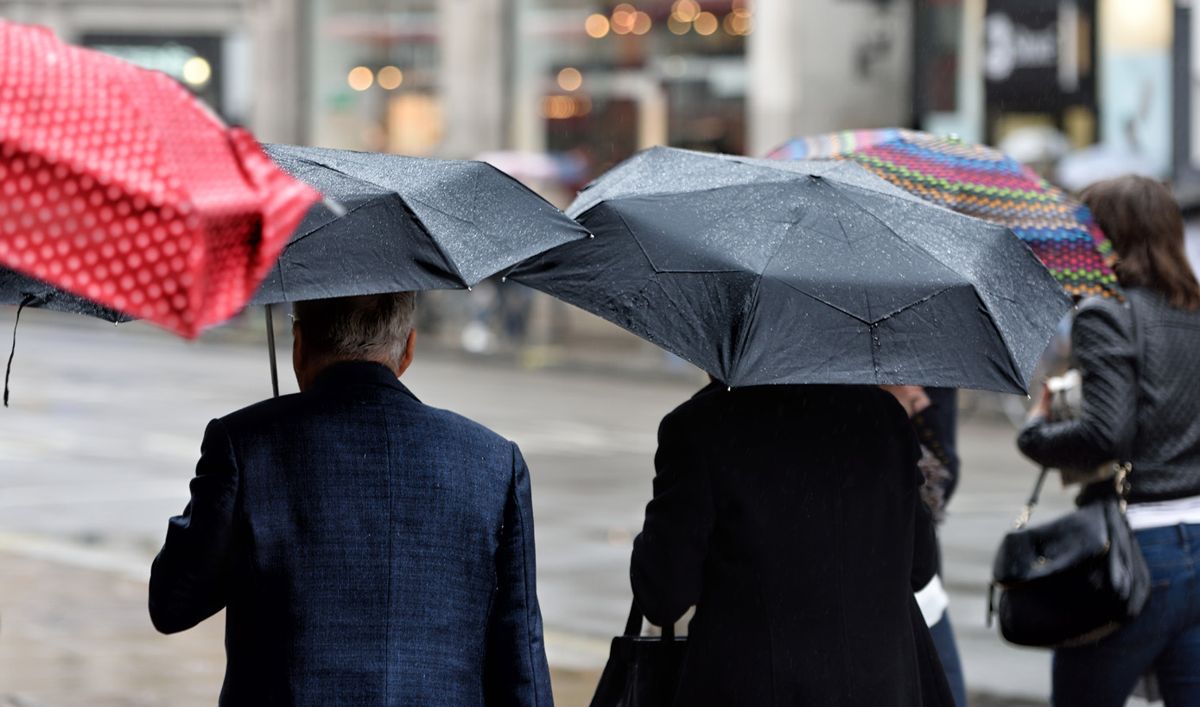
x,y
389,224
408,224
764,272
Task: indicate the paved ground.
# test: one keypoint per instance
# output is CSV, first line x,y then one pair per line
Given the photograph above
x,y
104,428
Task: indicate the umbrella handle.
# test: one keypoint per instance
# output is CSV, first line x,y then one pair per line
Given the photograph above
x,y
271,352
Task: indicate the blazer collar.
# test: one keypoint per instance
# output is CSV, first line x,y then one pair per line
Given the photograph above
x,y
346,373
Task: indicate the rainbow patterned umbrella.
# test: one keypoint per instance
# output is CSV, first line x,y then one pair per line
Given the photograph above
x,y
983,182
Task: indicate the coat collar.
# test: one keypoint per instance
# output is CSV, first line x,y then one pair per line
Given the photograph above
x,y
344,373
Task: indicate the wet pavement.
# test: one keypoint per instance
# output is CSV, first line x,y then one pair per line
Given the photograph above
x,y
104,429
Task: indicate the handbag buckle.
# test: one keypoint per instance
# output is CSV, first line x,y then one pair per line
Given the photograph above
x,y
1121,481
1023,518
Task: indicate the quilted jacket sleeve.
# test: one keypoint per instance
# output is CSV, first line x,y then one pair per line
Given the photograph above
x,y
1102,342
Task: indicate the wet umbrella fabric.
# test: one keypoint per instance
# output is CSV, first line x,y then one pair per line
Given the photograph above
x,y
406,223
763,272
984,182
118,186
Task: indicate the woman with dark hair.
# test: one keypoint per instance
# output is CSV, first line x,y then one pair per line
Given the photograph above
x,y
1140,362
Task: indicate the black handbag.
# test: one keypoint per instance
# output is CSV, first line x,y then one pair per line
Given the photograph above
x,y
642,671
1078,578
1073,580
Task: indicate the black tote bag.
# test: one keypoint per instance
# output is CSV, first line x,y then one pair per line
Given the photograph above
x,y
642,671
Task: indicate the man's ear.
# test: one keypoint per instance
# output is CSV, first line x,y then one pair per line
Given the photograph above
x,y
410,349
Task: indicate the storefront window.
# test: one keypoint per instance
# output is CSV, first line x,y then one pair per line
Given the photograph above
x,y
374,67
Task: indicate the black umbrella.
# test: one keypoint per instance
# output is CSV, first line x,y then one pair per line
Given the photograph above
x,y
406,223
775,272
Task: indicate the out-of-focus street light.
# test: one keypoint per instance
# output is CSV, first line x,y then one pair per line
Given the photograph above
x,y
641,23
685,11
390,78
196,71
623,18
705,23
360,78
596,26
569,79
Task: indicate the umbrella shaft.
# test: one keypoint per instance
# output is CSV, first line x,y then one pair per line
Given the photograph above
x,y
271,352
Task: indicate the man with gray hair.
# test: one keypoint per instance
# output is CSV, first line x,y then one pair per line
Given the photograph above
x,y
368,549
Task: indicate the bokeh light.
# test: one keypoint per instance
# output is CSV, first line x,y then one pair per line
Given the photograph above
x,y
685,10
196,71
642,23
706,23
569,79
678,26
390,78
596,26
360,78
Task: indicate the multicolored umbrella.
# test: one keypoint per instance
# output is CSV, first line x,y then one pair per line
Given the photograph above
x,y
983,182
117,186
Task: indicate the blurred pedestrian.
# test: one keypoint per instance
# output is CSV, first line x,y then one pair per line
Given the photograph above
x,y
789,516
368,549
934,412
1141,381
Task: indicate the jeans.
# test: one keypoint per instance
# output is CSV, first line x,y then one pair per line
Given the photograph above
x,y
947,650
1164,638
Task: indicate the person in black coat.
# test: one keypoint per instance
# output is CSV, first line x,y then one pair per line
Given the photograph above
x,y
368,549
789,517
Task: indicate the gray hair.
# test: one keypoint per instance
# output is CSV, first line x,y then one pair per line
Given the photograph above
x,y
365,327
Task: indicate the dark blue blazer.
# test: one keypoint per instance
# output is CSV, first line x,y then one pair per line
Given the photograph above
x,y
369,550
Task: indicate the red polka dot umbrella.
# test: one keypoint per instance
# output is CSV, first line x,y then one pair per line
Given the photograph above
x,y
117,186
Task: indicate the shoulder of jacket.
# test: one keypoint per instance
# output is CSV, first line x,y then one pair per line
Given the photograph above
x,y
1102,313
461,427
271,408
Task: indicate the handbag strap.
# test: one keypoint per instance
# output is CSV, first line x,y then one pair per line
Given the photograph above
x,y
1027,511
633,625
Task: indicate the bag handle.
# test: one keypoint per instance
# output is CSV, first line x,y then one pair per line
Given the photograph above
x,y
633,625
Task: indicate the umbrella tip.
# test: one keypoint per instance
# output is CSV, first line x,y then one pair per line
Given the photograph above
x,y
469,288
504,278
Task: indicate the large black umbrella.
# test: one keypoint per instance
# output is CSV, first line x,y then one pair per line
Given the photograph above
x,y
775,272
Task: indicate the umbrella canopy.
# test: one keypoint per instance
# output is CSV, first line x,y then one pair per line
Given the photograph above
x,y
406,224
118,186
983,182
24,291
764,272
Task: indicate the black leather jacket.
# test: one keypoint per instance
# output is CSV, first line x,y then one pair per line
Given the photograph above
x,y
1162,416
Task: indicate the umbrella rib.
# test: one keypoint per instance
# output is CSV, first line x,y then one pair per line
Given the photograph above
x,y
999,332
363,205
440,249
681,192
888,226
629,230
